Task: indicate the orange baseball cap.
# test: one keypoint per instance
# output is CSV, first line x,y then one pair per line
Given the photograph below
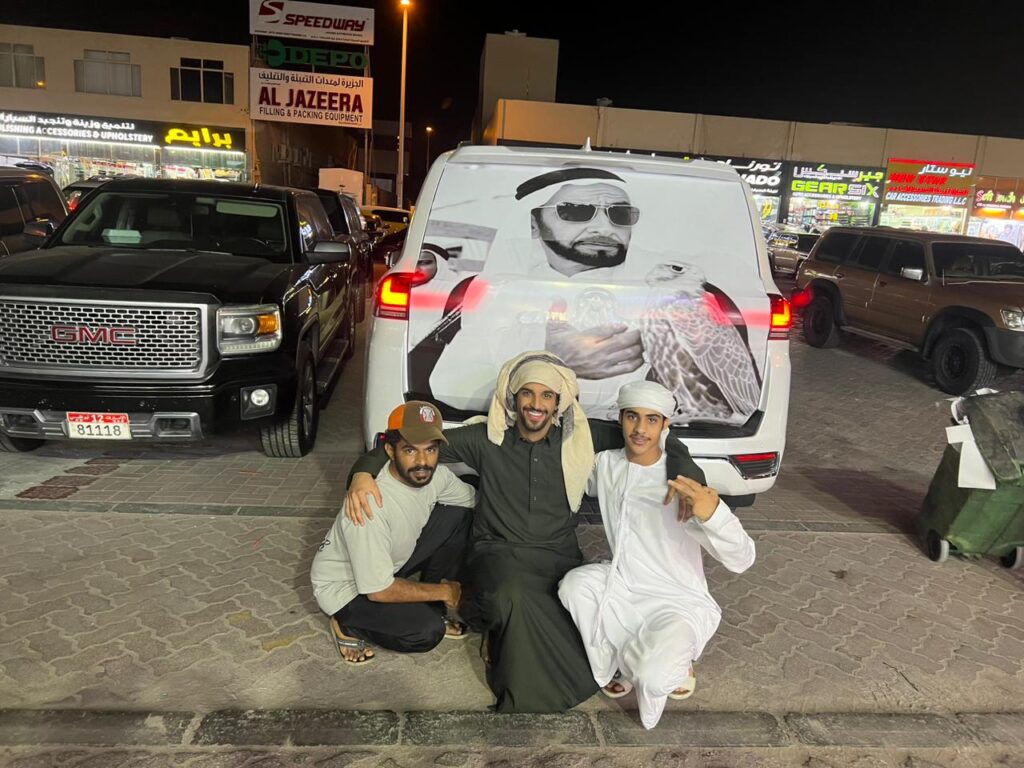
x,y
418,422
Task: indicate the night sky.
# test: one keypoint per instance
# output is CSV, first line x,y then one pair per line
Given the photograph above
x,y
900,64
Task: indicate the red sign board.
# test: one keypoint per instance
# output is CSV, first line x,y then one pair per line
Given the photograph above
x,y
929,182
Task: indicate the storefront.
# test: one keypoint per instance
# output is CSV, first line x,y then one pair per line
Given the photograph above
x,y
935,196
78,147
821,195
998,211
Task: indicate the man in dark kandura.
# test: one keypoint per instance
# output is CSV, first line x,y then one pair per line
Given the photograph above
x,y
534,455
360,574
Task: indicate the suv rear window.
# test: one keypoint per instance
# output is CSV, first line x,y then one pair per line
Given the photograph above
x,y
978,260
835,247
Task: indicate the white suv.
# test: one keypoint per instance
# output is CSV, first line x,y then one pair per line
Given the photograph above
x,y
626,266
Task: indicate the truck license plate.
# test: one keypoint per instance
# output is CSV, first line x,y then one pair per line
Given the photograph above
x,y
99,426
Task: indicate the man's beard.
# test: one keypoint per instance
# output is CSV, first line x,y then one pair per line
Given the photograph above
x,y
409,479
528,426
599,259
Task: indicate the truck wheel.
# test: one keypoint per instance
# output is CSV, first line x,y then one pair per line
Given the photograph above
x,y
820,328
960,363
18,444
295,436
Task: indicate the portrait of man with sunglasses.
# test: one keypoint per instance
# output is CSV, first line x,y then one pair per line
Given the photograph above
x,y
549,282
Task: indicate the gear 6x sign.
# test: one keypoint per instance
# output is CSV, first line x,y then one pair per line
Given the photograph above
x,y
311,97
311,21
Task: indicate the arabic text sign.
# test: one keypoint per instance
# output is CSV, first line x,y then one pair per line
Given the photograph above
x,y
43,125
763,176
920,182
833,182
309,97
311,21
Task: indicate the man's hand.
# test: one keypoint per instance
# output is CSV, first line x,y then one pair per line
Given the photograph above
x,y
453,596
357,500
600,352
695,500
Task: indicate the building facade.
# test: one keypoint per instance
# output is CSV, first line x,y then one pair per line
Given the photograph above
x,y
85,104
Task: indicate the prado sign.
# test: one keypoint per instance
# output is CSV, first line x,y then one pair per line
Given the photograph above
x,y
309,97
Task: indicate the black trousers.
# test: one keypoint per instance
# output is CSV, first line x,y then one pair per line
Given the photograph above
x,y
414,627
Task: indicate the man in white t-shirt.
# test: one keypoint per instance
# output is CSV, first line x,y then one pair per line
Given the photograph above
x,y
360,573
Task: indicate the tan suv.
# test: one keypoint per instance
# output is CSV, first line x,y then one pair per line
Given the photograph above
x,y
957,301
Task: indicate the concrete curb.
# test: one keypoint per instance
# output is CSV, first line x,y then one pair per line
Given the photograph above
x,y
315,728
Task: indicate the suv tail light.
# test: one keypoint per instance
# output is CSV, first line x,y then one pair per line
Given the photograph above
x,y
754,465
392,298
782,318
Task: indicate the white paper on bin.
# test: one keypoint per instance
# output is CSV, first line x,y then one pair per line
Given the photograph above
x,y
974,472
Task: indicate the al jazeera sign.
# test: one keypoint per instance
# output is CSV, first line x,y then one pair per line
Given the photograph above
x,y
310,97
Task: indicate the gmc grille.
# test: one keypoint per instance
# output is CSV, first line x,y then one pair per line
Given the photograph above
x,y
120,339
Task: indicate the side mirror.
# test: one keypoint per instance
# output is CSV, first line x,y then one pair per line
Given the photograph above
x,y
329,252
912,273
40,229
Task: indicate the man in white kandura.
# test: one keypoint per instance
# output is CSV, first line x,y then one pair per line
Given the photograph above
x,y
647,615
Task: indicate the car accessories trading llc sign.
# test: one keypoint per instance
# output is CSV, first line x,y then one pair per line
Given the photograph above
x,y
924,182
310,97
311,21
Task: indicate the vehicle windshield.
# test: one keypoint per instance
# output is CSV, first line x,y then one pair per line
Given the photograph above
x,y
181,221
978,260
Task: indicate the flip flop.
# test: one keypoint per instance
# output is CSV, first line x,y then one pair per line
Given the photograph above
x,y
463,628
690,684
349,643
627,687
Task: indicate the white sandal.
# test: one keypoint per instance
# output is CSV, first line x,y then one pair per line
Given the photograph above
x,y
690,684
627,687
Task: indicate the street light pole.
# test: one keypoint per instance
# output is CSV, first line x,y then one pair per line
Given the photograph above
x,y
400,181
429,131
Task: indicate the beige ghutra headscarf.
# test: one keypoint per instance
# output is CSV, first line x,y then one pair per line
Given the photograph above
x,y
577,446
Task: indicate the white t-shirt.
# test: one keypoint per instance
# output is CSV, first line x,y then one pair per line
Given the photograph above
x,y
359,560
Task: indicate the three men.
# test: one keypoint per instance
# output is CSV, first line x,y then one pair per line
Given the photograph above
x,y
647,615
360,573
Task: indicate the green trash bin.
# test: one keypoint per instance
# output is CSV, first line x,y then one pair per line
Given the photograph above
x,y
976,521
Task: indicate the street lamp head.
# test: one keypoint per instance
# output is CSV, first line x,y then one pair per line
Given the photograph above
x,y
429,129
405,3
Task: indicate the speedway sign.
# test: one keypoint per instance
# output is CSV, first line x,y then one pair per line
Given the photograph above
x,y
311,97
311,21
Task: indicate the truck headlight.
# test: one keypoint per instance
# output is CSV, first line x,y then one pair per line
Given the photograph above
x,y
242,329
1013,319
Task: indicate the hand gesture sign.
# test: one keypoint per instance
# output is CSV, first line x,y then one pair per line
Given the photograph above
x,y
695,500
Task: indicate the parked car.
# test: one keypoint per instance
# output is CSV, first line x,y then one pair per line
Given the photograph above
x,y
394,219
389,248
347,224
31,208
957,301
76,190
176,310
788,250
374,228
529,248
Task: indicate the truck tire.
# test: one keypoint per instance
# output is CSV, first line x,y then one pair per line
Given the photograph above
x,y
18,444
295,436
820,329
960,362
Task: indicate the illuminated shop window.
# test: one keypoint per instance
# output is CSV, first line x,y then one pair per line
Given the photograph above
x,y
20,67
202,80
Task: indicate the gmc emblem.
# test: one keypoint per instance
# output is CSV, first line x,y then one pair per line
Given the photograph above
x,y
83,334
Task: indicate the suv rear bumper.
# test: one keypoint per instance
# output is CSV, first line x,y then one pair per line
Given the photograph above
x,y
155,411
1006,346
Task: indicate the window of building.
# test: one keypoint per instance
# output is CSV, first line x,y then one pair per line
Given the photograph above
x,y
202,80
108,72
20,67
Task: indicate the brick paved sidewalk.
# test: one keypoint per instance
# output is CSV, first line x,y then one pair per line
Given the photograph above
x,y
186,612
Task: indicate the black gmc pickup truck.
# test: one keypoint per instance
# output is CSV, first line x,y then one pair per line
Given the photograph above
x,y
175,310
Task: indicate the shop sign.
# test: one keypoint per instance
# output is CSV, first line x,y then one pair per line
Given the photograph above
x,y
313,98
763,176
278,54
311,21
921,182
997,198
833,182
42,125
